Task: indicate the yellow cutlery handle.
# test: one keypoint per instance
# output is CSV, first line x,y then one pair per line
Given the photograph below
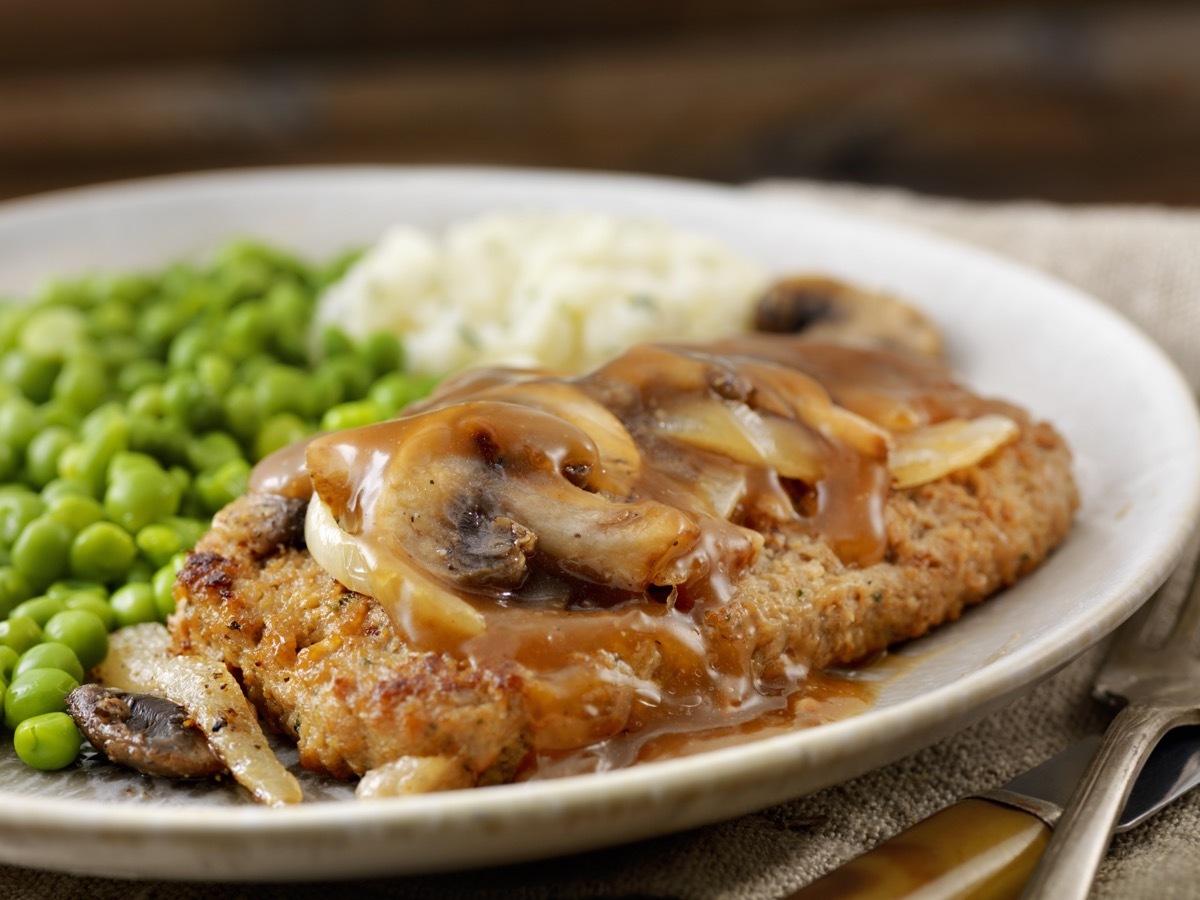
x,y
976,849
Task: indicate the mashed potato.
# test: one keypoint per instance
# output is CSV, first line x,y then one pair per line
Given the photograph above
x,y
563,290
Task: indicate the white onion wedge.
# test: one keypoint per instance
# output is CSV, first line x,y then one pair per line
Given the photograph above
x,y
413,775
740,433
140,658
415,603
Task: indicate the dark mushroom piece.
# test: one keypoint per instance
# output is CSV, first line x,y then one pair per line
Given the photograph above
x,y
828,309
279,523
149,734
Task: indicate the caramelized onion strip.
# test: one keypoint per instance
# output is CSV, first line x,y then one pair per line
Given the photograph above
x,y
740,433
927,454
140,659
417,604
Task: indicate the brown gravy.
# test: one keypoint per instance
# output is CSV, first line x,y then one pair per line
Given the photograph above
x,y
608,516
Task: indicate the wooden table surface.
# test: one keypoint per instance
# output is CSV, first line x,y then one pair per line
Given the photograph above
x,y
1066,101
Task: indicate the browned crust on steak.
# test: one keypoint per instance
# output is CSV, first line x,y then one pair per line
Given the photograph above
x,y
324,664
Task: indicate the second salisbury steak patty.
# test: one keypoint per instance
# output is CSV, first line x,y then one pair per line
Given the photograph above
x,y
795,572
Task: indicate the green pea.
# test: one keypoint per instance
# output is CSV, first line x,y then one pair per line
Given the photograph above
x,y
137,496
163,585
131,290
50,655
395,391
279,431
64,487
68,587
165,440
75,512
140,573
60,415
95,604
158,324
53,332
35,692
32,375
147,401
14,588
103,551
111,318
187,347
215,372
282,389
139,374
130,462
82,631
220,486
20,633
326,390
134,604
245,331
241,412
41,457
286,302
19,422
212,450
190,531
103,438
158,543
48,742
12,319
8,662
40,609
352,415
17,509
354,374
42,551
383,352
335,342
82,383
188,400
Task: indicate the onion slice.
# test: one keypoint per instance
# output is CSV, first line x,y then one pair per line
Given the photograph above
x,y
926,454
140,658
742,434
417,605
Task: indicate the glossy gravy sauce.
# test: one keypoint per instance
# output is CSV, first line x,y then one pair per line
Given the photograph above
x,y
594,528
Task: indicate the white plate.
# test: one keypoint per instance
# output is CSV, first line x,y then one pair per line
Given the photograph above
x,y
1013,333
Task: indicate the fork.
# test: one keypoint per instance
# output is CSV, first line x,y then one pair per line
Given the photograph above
x,y
1159,683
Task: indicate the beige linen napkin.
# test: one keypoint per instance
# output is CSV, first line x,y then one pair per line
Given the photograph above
x,y
1144,262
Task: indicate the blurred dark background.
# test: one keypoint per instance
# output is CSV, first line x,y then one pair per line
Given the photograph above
x,y
1068,101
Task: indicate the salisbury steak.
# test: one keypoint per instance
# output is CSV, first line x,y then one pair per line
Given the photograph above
x,y
329,667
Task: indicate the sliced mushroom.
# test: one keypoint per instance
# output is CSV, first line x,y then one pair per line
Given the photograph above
x,y
140,657
828,309
149,734
491,551
512,462
277,522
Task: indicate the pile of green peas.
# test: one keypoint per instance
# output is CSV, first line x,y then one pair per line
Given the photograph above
x,y
132,408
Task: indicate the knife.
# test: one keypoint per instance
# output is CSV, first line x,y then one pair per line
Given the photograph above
x,y
988,845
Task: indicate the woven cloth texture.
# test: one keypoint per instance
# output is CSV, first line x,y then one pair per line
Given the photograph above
x,y
1144,262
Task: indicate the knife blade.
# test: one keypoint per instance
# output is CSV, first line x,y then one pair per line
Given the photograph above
x,y
989,844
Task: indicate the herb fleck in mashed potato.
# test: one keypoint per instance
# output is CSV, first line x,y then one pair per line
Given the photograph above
x,y
562,290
